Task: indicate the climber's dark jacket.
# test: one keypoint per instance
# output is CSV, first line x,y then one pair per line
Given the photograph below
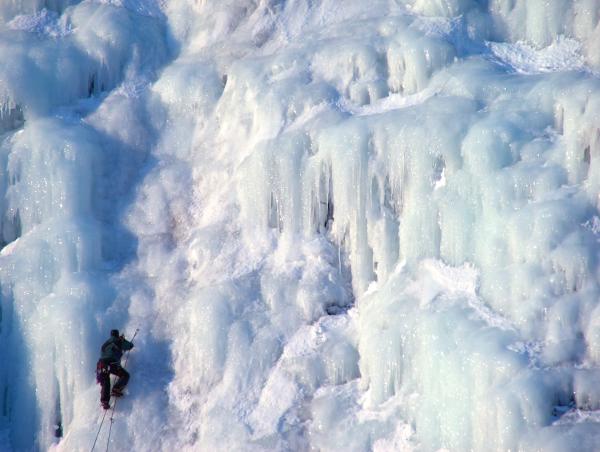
x,y
113,349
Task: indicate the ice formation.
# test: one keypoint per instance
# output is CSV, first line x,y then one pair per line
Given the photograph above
x,y
338,225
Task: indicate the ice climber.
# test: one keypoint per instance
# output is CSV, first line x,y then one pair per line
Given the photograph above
x,y
110,363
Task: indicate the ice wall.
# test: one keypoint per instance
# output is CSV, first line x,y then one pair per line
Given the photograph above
x,y
63,174
373,227
12,8
468,163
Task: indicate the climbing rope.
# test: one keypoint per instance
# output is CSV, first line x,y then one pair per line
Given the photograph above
x,y
98,434
114,406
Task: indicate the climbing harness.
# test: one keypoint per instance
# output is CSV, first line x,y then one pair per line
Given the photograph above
x,y
114,407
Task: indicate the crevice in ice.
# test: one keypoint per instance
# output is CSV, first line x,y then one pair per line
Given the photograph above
x,y
5,410
389,202
92,85
99,81
586,155
439,165
322,201
330,215
326,193
10,228
347,302
58,421
11,117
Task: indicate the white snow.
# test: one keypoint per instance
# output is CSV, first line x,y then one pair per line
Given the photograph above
x,y
562,55
369,227
42,22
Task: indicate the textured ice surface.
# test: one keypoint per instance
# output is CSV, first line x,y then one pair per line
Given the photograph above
x,y
369,227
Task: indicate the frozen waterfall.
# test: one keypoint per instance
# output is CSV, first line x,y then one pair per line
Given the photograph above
x,y
339,226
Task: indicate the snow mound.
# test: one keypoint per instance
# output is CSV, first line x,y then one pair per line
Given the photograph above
x,y
562,55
